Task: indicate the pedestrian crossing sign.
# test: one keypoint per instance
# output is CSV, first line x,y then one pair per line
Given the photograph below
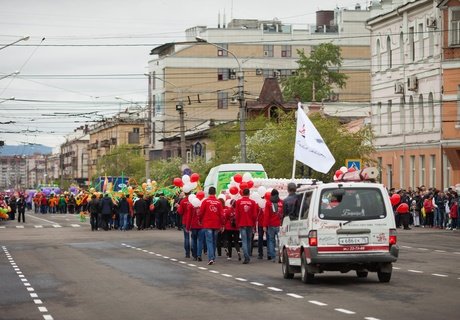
x,y
353,163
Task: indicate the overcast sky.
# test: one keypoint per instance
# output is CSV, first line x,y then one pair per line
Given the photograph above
x,y
71,73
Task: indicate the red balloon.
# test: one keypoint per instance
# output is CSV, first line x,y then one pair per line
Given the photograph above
x,y
338,173
200,195
352,169
267,195
395,199
402,208
250,184
194,177
178,182
233,190
238,178
243,185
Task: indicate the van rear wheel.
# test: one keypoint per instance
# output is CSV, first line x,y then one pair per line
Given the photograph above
x,y
305,276
285,266
384,273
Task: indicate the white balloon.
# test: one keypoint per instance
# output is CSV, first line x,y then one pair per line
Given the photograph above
x,y
233,184
191,197
262,203
187,188
185,179
247,177
261,191
193,184
221,196
227,203
343,169
196,202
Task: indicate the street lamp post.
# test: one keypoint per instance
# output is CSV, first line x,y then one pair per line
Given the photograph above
x,y
242,111
13,43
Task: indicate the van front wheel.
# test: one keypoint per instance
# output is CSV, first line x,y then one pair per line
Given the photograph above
x,y
305,276
285,267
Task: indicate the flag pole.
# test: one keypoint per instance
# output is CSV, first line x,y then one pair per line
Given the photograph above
x,y
293,168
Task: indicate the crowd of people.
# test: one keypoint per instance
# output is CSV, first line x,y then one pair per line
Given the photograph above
x,y
427,208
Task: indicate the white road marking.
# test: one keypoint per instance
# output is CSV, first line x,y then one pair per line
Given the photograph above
x,y
241,279
294,295
38,226
318,303
214,271
371,318
76,225
20,227
226,275
145,250
57,226
344,311
183,262
423,249
275,289
42,309
172,259
2,227
407,247
138,249
202,268
38,301
34,295
165,257
439,275
456,252
158,255
257,284
21,276
415,271
24,280
441,251
30,289
47,317
191,265
396,268
34,217
26,284
151,252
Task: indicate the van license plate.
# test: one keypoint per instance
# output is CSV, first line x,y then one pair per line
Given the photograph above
x,y
354,240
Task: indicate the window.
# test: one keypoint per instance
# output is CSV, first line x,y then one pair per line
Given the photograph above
x,y
433,170
389,54
412,172
421,44
379,167
222,100
286,51
159,105
389,176
422,170
389,117
223,51
133,137
401,49
402,172
454,27
402,116
352,204
431,111
430,43
447,171
378,56
458,105
305,205
223,74
421,113
412,44
411,114
268,50
152,81
379,117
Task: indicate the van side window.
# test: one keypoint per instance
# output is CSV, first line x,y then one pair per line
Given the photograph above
x,y
305,205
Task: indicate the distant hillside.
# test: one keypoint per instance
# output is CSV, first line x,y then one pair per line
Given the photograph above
x,y
25,150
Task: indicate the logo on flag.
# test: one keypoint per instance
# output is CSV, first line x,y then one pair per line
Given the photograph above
x,y
310,148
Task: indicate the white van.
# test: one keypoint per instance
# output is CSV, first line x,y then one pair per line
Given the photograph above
x,y
341,226
220,176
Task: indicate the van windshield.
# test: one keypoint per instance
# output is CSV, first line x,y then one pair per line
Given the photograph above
x,y
352,204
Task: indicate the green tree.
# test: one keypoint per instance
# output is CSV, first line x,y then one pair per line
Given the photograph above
x,y
164,171
317,74
124,160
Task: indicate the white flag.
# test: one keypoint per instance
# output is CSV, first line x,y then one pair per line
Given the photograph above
x,y
310,148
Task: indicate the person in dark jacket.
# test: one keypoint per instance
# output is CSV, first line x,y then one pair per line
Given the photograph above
x,y
13,205
161,210
140,210
123,211
93,208
291,204
21,206
106,208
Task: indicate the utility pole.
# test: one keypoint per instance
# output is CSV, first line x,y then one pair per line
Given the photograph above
x,y
183,150
149,129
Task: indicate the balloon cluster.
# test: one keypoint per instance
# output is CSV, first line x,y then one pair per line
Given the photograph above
x,y
196,199
339,173
187,183
240,182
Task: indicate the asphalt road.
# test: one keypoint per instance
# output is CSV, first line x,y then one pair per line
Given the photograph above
x,y
56,268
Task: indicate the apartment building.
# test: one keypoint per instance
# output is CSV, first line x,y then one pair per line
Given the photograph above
x,y
209,79
450,111
407,91
74,156
13,172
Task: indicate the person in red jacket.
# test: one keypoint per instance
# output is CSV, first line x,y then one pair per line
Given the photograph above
x,y
183,211
246,215
273,213
231,233
212,220
193,225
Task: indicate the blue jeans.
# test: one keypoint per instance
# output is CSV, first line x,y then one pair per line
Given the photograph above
x,y
211,239
123,221
246,239
272,234
186,242
197,236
